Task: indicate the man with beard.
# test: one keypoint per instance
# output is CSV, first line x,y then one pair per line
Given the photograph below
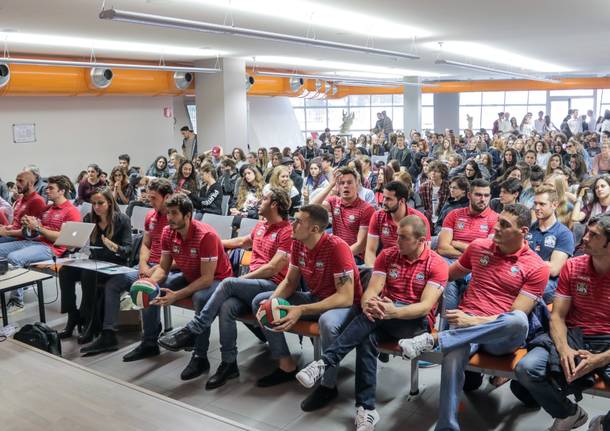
x,y
384,223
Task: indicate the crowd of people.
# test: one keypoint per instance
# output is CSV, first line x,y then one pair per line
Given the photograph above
x,y
384,236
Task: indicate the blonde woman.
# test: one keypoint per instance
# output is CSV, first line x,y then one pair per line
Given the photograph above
x,y
564,209
280,178
249,194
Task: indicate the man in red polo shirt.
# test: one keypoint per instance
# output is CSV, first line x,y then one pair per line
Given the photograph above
x,y
582,301
384,222
507,280
350,214
29,203
407,282
327,267
460,228
43,232
271,242
197,252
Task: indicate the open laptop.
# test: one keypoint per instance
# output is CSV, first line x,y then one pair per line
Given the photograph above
x,y
74,234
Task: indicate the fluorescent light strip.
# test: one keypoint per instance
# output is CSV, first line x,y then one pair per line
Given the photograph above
x,y
206,27
350,79
68,63
480,68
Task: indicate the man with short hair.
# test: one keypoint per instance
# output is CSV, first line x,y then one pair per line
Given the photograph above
x,y
271,242
196,251
580,310
384,222
435,192
327,267
575,123
29,203
326,163
507,280
539,123
41,234
505,126
350,214
40,185
339,158
189,143
124,161
406,284
400,152
510,190
549,238
324,137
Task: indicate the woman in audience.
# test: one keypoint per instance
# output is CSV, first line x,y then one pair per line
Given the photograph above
x,y
601,162
472,170
316,181
239,157
509,159
555,162
548,125
299,165
280,178
542,154
514,126
276,160
369,176
599,202
159,168
185,179
385,174
111,242
209,198
564,209
263,160
444,151
486,162
578,167
121,189
91,182
249,195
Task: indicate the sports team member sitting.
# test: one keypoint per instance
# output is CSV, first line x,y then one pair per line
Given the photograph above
x,y
197,252
460,228
549,238
407,282
350,214
328,269
383,224
271,243
507,279
158,190
581,303
45,232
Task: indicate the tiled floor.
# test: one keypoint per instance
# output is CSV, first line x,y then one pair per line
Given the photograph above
x,y
278,408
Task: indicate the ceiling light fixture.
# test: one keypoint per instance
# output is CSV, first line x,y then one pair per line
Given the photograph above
x,y
206,27
70,63
350,79
480,68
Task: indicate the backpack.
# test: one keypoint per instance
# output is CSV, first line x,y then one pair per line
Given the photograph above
x,y
41,336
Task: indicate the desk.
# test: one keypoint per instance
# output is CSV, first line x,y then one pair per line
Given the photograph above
x,y
21,277
42,391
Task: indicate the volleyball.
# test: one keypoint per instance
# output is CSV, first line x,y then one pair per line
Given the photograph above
x,y
143,291
269,312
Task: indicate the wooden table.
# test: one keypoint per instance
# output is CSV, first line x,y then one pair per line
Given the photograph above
x,y
18,278
40,391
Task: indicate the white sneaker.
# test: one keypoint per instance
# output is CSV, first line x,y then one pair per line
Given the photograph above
x,y
309,375
413,347
571,422
596,424
366,419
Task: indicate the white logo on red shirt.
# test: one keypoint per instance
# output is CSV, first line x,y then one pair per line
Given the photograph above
x,y
483,228
581,289
385,231
273,236
393,273
193,251
351,218
460,225
484,260
514,270
301,261
176,249
337,211
420,276
319,264
259,232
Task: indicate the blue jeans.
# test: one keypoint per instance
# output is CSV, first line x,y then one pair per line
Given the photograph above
x,y
365,336
151,316
499,337
453,294
232,298
332,323
549,290
24,253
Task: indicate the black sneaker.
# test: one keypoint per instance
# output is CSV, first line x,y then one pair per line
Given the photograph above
x,y
196,367
275,378
225,372
106,342
472,381
180,339
319,398
141,352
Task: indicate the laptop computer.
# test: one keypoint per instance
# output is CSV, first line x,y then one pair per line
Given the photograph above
x,y
74,234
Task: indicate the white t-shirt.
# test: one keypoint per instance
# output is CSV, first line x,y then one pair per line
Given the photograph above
x,y
435,202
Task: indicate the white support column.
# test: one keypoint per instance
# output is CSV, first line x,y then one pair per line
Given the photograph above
x,y
222,115
412,100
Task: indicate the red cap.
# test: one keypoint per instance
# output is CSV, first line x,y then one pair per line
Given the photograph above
x,y
216,151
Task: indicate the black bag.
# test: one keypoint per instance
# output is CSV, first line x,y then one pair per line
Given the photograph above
x,y
41,336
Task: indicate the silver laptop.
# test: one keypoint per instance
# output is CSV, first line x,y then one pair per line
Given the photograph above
x,y
74,234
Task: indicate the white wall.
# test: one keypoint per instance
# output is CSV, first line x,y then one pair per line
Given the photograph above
x,y
272,123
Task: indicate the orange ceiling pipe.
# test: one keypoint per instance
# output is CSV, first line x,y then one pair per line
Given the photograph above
x,y
517,85
272,86
30,80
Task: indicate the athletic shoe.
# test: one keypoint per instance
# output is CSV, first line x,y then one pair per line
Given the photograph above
x,y
596,424
309,375
277,377
413,347
571,422
366,419
319,398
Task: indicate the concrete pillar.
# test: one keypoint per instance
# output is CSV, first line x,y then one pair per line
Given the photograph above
x,y
412,110
447,112
222,117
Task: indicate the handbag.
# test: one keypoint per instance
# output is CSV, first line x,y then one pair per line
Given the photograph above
x,y
41,336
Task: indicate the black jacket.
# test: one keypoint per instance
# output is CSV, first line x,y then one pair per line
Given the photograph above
x,y
450,205
209,199
121,236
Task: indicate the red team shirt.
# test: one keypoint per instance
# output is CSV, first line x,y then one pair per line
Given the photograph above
x,y
589,293
498,279
201,244
32,205
467,227
154,224
267,241
382,226
405,280
330,258
53,218
348,219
